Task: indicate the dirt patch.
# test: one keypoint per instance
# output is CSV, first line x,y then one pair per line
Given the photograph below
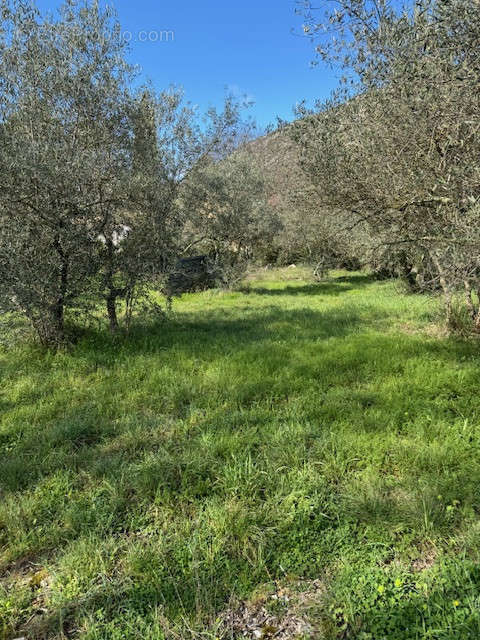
x,y
431,330
425,560
19,569
282,614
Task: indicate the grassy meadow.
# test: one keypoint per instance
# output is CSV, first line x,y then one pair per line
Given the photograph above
x,y
320,440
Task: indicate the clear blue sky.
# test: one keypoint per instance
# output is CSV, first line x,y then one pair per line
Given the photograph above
x,y
245,46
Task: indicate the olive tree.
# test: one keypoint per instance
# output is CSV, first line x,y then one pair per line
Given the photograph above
x,y
145,236
308,231
228,214
65,138
399,147
89,169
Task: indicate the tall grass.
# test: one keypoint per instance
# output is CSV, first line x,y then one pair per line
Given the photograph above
x,y
287,430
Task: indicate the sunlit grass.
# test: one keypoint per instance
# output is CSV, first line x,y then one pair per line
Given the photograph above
x,y
289,429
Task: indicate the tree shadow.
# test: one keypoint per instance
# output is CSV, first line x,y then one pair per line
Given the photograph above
x,y
161,417
329,287
79,430
77,426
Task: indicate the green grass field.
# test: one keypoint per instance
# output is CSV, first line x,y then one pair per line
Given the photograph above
x,y
317,440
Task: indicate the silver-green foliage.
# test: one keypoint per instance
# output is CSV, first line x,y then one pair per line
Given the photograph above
x,y
64,154
227,212
90,169
398,148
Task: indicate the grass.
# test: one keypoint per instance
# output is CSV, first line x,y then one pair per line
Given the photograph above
x,y
292,430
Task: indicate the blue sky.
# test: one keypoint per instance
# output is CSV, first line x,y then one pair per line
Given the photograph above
x,y
243,46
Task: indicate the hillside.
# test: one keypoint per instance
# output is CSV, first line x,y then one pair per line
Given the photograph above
x,y
292,197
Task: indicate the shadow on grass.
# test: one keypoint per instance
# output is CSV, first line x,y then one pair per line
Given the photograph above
x,y
186,348
255,361
249,432
330,287
205,334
